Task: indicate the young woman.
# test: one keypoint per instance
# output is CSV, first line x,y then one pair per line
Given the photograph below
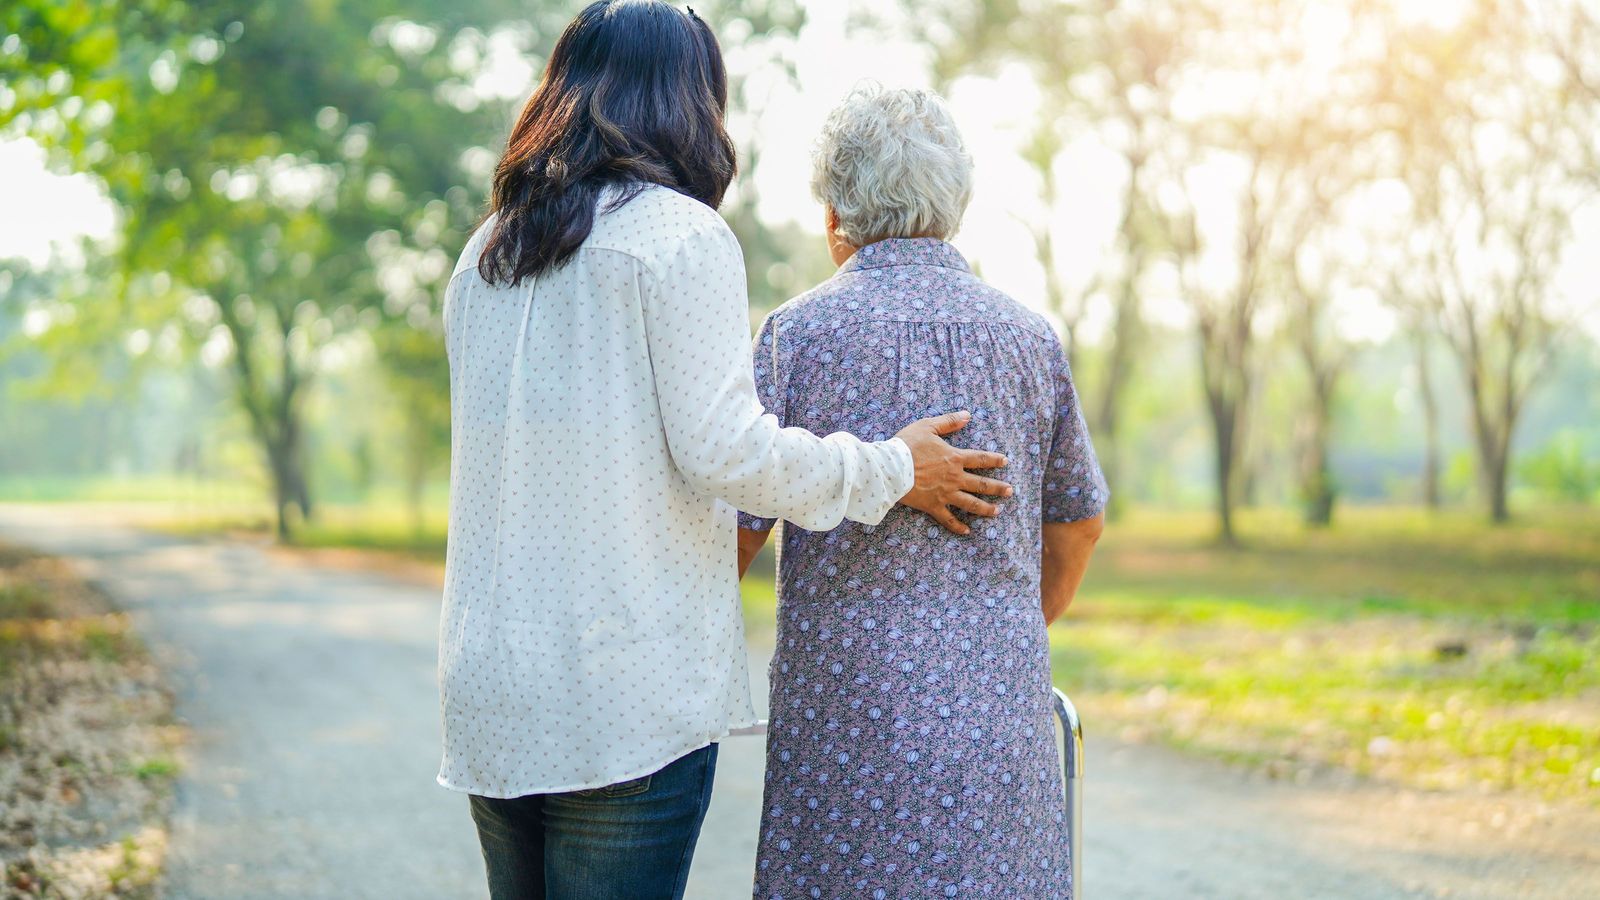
x,y
911,750
604,417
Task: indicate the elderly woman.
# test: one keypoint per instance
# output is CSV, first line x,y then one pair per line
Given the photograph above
x,y
911,750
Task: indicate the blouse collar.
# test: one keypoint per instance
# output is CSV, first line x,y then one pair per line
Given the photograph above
x,y
906,252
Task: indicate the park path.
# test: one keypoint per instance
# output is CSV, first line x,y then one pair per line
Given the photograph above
x,y
310,695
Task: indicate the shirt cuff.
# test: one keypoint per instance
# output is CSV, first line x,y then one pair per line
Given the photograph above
x,y
905,477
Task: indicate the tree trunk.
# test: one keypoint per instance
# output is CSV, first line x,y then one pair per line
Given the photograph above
x,y
274,419
1494,463
288,483
1494,449
1225,471
1225,401
1316,477
1317,481
1430,424
300,486
1119,359
1499,506
1224,414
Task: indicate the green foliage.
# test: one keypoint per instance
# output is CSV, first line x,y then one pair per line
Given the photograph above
x,y
1562,470
418,374
275,200
108,644
24,601
160,767
64,64
1460,475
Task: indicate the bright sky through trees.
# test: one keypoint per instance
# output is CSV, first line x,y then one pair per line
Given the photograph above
x,y
48,212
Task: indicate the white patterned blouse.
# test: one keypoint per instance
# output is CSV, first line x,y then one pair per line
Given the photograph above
x,y
605,426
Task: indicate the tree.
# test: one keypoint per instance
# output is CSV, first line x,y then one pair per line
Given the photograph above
x,y
1105,70
1224,310
410,347
1136,52
275,200
1420,336
1325,358
1246,185
1569,30
1495,164
784,260
418,375
1321,257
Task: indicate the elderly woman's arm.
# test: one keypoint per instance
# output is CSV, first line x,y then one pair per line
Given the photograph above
x,y
750,543
1075,497
1067,546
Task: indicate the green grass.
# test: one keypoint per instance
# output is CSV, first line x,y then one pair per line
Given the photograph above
x,y
381,527
24,601
108,643
160,767
1430,651
1425,650
1377,560
131,489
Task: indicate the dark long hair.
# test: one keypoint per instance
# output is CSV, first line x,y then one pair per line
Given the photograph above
x,y
634,94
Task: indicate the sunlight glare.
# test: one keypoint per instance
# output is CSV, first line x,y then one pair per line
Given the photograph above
x,y
48,214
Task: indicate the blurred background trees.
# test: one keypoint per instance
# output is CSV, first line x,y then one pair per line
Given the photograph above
x,y
1263,147
1303,252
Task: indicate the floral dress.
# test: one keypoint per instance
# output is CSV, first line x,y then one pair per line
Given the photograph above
x,y
911,749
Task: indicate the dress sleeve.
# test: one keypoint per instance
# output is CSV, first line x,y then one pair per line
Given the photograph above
x,y
769,390
723,442
1074,486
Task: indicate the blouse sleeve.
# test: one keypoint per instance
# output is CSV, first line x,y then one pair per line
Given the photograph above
x,y
722,440
770,392
1074,486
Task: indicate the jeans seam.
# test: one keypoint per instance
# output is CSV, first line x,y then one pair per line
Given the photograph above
x,y
688,847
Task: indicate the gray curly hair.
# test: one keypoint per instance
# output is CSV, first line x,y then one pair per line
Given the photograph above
x,y
891,163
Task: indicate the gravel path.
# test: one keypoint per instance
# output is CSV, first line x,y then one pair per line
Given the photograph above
x,y
310,695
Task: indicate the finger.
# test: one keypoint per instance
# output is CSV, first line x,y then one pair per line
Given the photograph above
x,y
948,519
989,487
976,506
949,423
980,459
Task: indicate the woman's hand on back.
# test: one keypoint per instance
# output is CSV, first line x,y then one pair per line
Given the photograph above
x,y
942,479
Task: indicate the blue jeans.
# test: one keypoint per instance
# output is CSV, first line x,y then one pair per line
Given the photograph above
x,y
627,841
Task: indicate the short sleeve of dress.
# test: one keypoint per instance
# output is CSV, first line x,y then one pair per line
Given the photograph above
x,y
1074,486
765,353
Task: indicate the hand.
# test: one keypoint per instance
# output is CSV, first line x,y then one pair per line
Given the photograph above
x,y
942,477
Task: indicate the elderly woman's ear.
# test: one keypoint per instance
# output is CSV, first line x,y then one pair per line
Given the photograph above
x,y
838,248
